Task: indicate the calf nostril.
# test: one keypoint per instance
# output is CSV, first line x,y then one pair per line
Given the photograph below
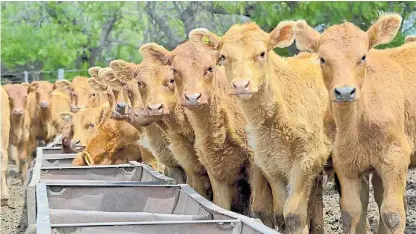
x,y
186,97
199,96
160,107
337,92
148,108
234,86
246,86
353,91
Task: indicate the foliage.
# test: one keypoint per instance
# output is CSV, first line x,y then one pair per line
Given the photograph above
x,y
77,35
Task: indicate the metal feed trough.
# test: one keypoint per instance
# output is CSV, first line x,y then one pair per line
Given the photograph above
x,y
52,166
134,208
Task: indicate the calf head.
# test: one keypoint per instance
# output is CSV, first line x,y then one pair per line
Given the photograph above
x,y
81,126
43,92
122,100
193,71
343,53
156,84
83,95
127,72
244,51
17,98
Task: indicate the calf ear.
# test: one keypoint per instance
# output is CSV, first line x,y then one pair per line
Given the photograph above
x,y
105,112
202,38
410,38
33,87
156,52
27,85
124,70
306,37
108,76
93,71
97,86
62,84
384,29
66,116
283,35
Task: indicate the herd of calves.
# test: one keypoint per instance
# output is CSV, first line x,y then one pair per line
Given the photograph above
x,y
243,126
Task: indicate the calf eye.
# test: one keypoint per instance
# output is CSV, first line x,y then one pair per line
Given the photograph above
x,y
139,84
210,69
263,54
322,60
171,81
363,58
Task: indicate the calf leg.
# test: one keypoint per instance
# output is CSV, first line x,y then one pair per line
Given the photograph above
x,y
222,192
364,196
351,205
392,208
261,197
296,207
378,196
14,154
316,209
278,187
198,182
25,157
4,189
176,173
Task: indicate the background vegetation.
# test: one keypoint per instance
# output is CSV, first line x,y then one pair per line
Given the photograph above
x,y
45,36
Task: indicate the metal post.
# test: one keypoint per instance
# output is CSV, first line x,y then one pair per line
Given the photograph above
x,y
60,74
26,76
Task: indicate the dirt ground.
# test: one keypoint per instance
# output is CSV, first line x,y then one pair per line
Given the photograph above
x,y
14,218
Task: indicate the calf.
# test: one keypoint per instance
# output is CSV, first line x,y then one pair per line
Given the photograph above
x,y
157,89
284,101
17,96
40,126
216,118
371,96
5,130
156,139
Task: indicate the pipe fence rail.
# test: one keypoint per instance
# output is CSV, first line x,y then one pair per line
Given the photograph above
x,y
29,76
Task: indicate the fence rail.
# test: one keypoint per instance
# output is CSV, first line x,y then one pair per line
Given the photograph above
x,y
29,76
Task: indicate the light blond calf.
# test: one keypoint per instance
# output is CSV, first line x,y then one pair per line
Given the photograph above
x,y
284,101
154,138
157,89
371,95
216,118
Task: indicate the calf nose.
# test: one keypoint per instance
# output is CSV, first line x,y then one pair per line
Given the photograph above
x,y
155,109
345,94
18,111
44,104
192,98
121,107
241,84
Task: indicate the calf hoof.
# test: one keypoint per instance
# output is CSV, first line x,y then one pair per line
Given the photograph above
x,y
292,222
392,220
279,221
4,202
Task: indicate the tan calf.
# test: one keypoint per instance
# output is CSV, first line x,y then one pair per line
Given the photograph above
x,y
157,89
372,100
284,101
216,118
153,137
17,96
5,130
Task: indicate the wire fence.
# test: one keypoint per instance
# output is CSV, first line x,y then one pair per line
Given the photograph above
x,y
52,76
